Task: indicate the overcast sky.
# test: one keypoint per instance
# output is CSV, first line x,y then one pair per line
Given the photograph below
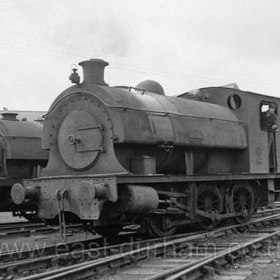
x,y
182,44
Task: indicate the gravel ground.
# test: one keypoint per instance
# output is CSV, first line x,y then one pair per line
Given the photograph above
x,y
40,241
37,240
261,266
265,265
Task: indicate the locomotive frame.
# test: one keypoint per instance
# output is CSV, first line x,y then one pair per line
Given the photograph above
x,y
213,146
20,154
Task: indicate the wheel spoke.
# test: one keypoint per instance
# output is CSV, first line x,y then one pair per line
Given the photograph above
x,y
209,199
159,226
242,200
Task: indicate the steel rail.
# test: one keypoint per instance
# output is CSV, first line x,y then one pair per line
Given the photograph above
x,y
47,253
96,253
46,257
183,271
15,224
84,270
32,229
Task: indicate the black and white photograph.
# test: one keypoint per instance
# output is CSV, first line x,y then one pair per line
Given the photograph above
x,y
140,140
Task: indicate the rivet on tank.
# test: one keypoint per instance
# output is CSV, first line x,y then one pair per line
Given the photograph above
x,y
121,155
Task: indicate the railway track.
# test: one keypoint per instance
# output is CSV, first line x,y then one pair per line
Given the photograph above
x,y
59,255
149,259
24,229
20,263
28,228
15,224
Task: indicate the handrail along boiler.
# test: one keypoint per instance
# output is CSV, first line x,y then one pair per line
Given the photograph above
x,y
122,155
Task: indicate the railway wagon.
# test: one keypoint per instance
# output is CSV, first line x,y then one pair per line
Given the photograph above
x,y
123,155
20,154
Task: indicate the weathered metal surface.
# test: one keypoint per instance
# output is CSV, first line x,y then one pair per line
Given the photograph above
x,y
22,140
57,129
247,107
143,165
160,178
85,198
156,118
141,120
138,199
137,179
20,153
92,129
80,139
150,118
19,194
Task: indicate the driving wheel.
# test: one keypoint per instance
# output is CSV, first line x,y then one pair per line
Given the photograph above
x,y
242,201
209,199
161,225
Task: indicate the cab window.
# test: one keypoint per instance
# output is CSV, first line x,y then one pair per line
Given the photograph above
x,y
268,113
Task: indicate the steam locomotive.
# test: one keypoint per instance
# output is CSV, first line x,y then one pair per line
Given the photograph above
x,y
122,155
20,155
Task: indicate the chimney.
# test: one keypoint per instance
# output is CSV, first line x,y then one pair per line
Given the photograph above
x,y
9,116
94,71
